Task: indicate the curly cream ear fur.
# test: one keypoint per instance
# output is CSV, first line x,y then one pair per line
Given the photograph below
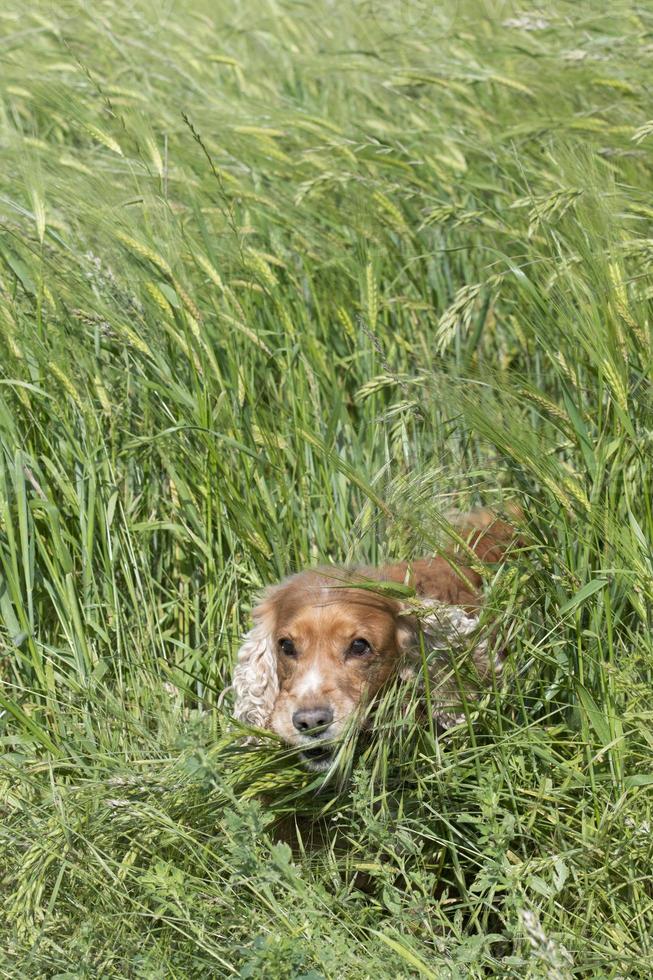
x,y
445,630
255,677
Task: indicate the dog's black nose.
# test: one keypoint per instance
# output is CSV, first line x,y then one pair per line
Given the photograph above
x,y
306,720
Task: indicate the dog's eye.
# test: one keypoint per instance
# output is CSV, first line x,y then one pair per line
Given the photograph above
x,y
287,647
359,647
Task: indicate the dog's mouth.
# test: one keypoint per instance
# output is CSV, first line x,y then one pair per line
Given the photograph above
x,y
318,758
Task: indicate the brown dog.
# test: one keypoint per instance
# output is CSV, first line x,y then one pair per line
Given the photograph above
x,y
326,641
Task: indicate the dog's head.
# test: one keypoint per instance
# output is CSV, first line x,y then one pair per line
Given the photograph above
x,y
322,648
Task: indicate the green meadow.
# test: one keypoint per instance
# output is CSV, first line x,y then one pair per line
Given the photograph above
x,y
289,282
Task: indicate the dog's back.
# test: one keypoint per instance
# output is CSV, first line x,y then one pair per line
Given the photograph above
x,y
451,577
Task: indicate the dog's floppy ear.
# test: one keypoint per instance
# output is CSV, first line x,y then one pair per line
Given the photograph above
x,y
255,677
446,633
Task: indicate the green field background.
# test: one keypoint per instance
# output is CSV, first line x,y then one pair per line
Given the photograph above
x,y
291,282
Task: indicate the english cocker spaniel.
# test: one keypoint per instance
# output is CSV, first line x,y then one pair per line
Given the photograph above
x,y
326,641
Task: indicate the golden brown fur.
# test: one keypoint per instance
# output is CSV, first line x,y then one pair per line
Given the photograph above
x,y
324,643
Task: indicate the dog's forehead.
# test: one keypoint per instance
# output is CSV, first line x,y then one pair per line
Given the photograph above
x,y
316,606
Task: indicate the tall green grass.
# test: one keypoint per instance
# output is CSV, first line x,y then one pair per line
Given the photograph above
x,y
286,283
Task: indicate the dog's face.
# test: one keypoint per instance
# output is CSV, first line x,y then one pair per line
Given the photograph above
x,y
334,649
330,649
